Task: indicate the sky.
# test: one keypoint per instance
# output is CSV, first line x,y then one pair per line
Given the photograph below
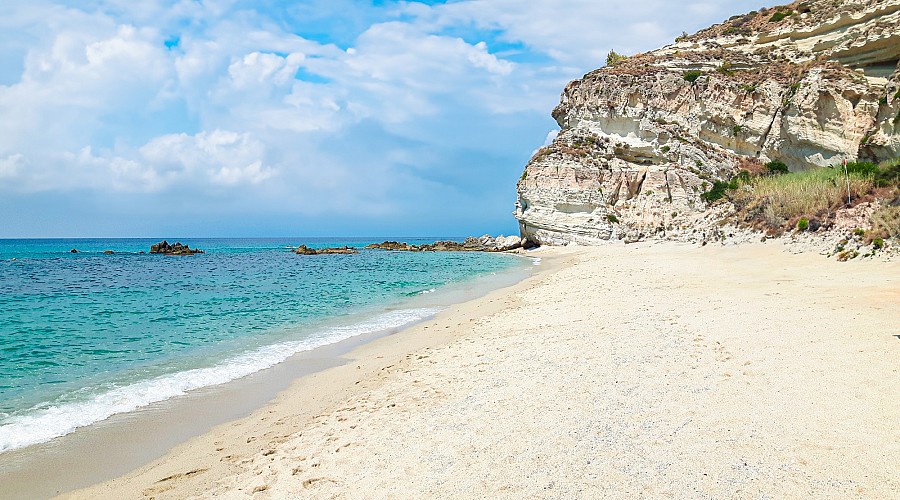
x,y
218,118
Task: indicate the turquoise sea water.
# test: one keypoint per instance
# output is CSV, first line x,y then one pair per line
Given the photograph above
x,y
86,335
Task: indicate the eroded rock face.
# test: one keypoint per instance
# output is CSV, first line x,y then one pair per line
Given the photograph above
x,y
643,138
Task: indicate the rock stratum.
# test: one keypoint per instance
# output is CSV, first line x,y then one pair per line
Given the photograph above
x,y
810,84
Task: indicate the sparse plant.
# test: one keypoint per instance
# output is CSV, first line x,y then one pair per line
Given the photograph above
x,y
614,58
725,68
885,223
749,88
612,218
737,130
802,224
682,37
665,149
878,243
883,101
524,175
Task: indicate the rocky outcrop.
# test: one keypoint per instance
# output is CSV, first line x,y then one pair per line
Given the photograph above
x,y
485,243
164,248
810,84
305,250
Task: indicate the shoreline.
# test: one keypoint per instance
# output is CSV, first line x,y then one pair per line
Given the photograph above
x,y
135,438
663,369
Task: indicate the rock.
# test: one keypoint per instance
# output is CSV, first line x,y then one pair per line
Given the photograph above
x,y
485,243
305,250
178,248
641,139
389,245
108,252
73,251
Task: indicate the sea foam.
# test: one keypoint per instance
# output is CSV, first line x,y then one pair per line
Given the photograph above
x,y
44,424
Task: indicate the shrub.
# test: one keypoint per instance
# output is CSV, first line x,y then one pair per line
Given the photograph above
x,y
717,191
665,149
862,168
614,58
888,173
802,224
777,167
692,75
749,87
524,175
725,68
684,36
878,243
612,218
883,100
737,130
780,16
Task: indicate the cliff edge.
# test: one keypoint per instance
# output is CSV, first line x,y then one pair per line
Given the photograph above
x,y
811,84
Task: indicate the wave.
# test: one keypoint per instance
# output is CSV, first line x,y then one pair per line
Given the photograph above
x,y
44,424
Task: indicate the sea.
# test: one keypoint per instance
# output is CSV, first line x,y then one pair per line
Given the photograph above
x,y
89,334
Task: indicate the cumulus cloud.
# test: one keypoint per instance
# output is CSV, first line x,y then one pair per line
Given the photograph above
x,y
381,110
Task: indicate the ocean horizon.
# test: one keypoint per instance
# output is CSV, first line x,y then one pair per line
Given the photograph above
x,y
90,334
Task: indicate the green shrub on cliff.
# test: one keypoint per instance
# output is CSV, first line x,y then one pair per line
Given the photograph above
x,y
718,189
777,167
692,75
780,16
614,58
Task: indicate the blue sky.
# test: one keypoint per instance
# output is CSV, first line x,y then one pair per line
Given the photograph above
x,y
293,118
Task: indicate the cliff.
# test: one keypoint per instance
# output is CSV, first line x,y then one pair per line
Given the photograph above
x,y
810,84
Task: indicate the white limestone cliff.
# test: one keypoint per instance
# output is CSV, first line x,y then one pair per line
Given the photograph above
x,y
641,139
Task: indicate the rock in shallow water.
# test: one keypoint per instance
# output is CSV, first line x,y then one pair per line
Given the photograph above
x,y
305,250
164,248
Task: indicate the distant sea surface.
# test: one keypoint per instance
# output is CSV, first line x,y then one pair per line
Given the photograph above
x,y
87,335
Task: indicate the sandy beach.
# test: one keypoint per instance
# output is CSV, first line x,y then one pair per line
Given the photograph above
x,y
619,371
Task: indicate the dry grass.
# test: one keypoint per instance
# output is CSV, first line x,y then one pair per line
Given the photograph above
x,y
885,223
776,202
807,193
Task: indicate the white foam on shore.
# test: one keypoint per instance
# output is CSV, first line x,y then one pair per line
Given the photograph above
x,y
47,423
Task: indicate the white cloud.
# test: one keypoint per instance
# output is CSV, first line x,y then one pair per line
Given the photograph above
x,y
407,103
11,165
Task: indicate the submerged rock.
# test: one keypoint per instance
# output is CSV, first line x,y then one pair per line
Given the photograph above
x,y
305,250
164,248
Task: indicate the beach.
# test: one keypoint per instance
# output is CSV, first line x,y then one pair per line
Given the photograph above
x,y
661,370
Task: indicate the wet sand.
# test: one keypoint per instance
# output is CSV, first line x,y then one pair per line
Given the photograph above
x,y
654,370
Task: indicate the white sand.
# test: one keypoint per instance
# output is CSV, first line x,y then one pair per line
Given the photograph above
x,y
658,371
